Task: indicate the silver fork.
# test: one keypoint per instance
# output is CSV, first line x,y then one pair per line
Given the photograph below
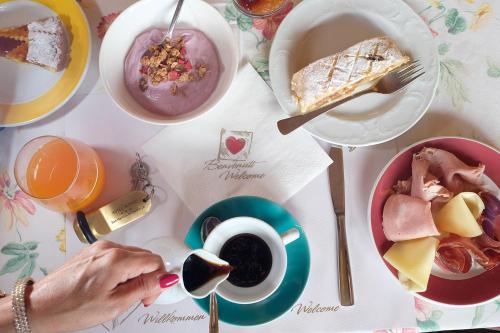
x,y
388,84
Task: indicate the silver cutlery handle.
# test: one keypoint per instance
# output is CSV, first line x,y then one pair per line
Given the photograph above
x,y
345,279
214,315
288,125
171,28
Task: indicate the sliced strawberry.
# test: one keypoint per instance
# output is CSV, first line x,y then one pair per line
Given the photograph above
x,y
173,75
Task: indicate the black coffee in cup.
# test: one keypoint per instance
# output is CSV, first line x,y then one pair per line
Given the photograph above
x,y
250,258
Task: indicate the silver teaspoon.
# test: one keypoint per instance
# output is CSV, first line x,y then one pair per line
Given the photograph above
x,y
171,27
208,225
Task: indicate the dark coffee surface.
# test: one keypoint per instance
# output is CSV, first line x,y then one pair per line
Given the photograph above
x,y
196,272
250,257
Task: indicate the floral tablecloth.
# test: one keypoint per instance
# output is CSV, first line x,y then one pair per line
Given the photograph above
x,y
466,33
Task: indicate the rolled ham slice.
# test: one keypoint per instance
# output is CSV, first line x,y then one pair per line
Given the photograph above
x,y
457,176
405,217
425,185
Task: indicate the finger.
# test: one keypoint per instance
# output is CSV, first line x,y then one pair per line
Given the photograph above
x,y
127,265
146,287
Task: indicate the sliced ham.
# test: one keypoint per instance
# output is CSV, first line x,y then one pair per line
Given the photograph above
x,y
457,176
451,249
454,259
425,185
485,243
405,217
403,186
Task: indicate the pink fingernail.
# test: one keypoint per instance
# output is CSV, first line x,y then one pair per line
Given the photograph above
x,y
168,280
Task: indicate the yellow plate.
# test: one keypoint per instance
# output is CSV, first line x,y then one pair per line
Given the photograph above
x,y
65,83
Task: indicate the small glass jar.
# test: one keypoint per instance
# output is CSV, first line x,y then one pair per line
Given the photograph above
x,y
260,8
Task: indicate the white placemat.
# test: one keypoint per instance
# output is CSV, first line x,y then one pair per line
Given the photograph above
x,y
378,298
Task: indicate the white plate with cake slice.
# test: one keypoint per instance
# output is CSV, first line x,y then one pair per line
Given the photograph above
x,y
44,55
317,29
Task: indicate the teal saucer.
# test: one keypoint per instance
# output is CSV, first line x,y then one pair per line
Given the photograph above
x,y
297,270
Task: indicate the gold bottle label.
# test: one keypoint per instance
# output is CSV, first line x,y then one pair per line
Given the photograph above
x,y
118,213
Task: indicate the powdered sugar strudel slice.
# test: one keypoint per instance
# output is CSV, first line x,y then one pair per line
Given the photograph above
x,y
41,42
331,78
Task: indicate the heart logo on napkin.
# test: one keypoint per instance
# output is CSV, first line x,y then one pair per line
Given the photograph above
x,y
235,145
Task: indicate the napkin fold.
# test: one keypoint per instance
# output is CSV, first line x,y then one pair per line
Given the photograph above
x,y
236,149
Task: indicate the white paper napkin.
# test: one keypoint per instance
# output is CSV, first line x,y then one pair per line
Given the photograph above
x,y
236,149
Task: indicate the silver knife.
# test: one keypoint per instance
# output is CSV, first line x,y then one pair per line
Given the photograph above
x,y
336,175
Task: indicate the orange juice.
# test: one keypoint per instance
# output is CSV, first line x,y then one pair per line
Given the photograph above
x,y
52,169
65,175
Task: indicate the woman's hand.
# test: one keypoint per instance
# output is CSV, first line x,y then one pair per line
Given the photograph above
x,y
98,284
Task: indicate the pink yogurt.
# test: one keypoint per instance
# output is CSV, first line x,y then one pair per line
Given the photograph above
x,y
190,95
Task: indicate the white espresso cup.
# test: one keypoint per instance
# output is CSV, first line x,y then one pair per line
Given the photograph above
x,y
276,242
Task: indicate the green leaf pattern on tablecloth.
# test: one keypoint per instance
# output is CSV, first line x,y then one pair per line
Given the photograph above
x,y
262,32
261,65
478,315
428,315
483,313
16,207
23,258
455,22
14,264
454,19
427,318
427,325
431,322
30,266
443,48
13,249
436,315
493,69
452,71
232,14
44,271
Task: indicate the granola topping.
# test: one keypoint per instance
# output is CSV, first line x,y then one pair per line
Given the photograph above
x,y
167,62
173,78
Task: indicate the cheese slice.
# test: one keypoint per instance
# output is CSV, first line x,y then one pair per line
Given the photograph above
x,y
459,216
413,259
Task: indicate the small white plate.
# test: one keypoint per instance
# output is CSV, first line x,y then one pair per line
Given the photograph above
x,y
145,15
318,28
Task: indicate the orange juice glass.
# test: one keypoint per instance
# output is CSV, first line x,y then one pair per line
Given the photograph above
x,y
63,174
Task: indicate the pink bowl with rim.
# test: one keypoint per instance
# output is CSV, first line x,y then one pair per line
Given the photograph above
x,y
473,291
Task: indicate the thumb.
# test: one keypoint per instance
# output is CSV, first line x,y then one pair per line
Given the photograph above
x,y
146,286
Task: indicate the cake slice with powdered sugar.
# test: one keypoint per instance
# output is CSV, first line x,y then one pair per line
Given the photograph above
x,y
41,42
